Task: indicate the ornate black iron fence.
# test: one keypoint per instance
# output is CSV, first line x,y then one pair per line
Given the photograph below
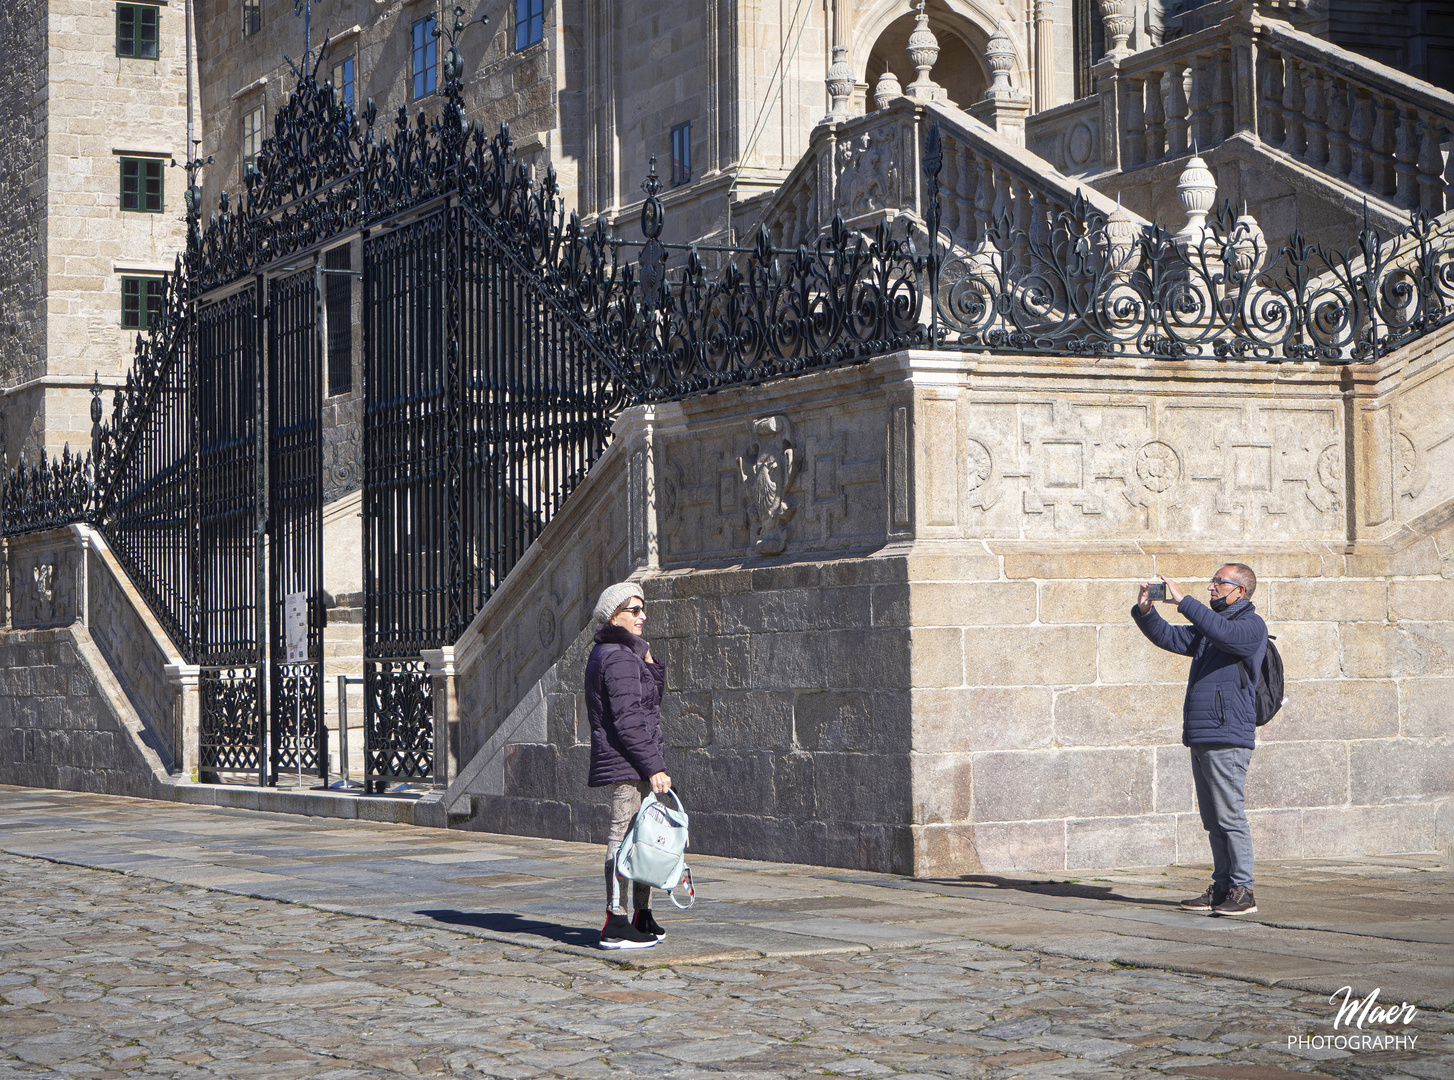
x,y
501,339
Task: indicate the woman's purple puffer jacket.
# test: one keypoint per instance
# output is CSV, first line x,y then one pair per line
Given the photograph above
x,y
623,702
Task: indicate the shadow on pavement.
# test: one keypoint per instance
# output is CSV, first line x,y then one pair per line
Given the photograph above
x,y
504,922
1050,888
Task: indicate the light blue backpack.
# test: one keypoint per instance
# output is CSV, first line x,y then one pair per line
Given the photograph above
x,y
654,850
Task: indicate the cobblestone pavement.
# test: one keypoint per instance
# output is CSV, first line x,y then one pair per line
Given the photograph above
x,y
132,973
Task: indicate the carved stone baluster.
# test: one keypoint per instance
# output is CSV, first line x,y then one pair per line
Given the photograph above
x,y
1202,130
1430,166
1294,137
1176,111
1270,74
963,201
1222,94
984,193
1024,223
1337,99
1405,153
1382,143
1360,131
1003,196
1155,118
1135,116
1314,130
1039,224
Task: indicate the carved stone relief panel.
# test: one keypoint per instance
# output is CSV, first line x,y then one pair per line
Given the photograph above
x,y
1423,448
772,485
1153,469
768,470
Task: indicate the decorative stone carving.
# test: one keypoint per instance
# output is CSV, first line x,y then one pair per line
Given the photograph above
x,y
45,576
923,50
887,91
980,475
545,626
1118,20
840,84
1122,252
868,173
1330,477
1196,190
1249,245
999,55
767,471
1411,471
1157,466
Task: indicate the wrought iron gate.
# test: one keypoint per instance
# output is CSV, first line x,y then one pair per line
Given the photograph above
x,y
295,521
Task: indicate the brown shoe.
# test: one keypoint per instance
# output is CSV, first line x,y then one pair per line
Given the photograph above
x,y
1206,901
1239,901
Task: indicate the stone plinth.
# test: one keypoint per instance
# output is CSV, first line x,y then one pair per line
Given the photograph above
x,y
894,606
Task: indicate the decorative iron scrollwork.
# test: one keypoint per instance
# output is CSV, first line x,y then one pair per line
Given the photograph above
x,y
231,724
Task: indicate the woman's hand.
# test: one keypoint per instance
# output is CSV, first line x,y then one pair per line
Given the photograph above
x,y
660,783
649,660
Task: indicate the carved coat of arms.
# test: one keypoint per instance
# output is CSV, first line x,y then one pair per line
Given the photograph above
x,y
767,471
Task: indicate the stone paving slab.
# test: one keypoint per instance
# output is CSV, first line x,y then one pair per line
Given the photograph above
x,y
1322,924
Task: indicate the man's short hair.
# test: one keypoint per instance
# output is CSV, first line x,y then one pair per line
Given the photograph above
x,y
1243,575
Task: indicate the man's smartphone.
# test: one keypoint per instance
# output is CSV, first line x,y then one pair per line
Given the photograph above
x,y
1156,592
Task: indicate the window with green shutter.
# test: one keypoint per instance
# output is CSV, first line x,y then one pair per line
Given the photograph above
x,y
136,31
141,184
141,302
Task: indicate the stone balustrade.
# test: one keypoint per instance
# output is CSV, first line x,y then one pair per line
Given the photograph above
x,y
1333,111
869,170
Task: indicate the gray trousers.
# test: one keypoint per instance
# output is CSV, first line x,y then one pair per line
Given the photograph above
x,y
625,801
1220,774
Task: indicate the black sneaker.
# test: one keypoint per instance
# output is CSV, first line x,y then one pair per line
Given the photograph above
x,y
618,933
647,924
1206,901
1239,902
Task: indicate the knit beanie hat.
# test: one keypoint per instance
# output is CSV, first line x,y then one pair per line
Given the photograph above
x,y
614,598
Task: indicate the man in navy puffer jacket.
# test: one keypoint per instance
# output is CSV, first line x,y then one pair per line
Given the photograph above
x,y
1226,642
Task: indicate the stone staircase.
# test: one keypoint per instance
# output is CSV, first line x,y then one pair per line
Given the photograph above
x,y
1281,116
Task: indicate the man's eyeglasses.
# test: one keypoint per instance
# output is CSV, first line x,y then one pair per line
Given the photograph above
x,y
1226,581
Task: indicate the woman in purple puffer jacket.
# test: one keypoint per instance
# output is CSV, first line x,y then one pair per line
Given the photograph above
x,y
623,701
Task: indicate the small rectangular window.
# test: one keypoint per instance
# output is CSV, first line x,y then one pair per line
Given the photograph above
x,y
426,57
252,138
141,184
141,302
681,154
338,296
343,82
529,23
136,31
252,17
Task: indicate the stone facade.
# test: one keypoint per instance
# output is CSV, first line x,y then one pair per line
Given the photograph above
x,y
67,243
930,667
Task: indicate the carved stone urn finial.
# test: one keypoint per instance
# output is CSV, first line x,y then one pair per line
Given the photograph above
x,y
1117,17
840,84
999,54
923,50
887,91
1249,245
1196,190
1122,243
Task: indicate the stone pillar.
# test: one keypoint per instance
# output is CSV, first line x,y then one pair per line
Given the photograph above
x,y
840,73
638,428
187,678
1044,55
441,667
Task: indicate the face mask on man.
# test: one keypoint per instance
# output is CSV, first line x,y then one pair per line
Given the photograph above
x,y
1219,604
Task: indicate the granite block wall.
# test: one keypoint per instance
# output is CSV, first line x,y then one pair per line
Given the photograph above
x,y
894,606
59,722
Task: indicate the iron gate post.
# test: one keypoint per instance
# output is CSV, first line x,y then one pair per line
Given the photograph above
x,y
260,509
